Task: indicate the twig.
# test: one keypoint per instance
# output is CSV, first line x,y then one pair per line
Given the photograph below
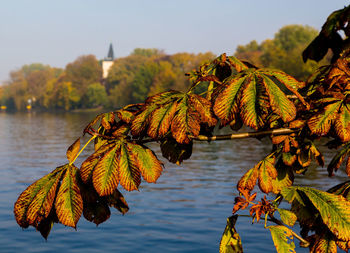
x,y
279,131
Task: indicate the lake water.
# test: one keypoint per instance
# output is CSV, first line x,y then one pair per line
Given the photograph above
x,y
185,211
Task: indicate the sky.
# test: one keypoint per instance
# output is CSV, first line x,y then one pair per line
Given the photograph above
x,y
57,32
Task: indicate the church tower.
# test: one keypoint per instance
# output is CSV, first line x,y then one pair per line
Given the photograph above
x,y
107,62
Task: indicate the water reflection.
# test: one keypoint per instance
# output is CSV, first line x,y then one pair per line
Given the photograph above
x,y
184,212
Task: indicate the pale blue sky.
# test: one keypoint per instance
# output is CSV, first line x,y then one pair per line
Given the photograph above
x,y
57,32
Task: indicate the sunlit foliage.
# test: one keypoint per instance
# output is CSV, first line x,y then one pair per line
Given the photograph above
x,y
223,92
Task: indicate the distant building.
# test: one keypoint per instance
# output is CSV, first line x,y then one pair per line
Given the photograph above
x,y
107,62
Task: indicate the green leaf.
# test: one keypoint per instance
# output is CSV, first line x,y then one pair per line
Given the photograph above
x,y
288,217
69,203
290,194
107,120
143,119
334,209
285,178
230,240
255,94
116,200
282,238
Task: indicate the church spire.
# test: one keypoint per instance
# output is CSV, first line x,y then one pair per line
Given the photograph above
x,y
110,55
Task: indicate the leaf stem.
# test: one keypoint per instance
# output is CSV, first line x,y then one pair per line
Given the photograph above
x,y
75,158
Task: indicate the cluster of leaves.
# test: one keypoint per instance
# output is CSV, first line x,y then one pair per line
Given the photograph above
x,y
224,92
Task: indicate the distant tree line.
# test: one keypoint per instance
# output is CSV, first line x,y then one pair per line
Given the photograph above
x,y
143,73
283,51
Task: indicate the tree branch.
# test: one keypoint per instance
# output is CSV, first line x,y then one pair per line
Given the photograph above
x,y
279,131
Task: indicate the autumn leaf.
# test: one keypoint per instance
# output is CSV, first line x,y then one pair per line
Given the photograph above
x,y
97,208
180,113
73,150
264,171
53,198
230,240
288,217
248,180
255,94
175,152
342,189
334,209
69,203
285,178
120,161
35,203
117,200
320,123
282,238
324,244
338,159
242,203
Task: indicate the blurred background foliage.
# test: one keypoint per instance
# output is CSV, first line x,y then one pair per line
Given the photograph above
x,y
143,73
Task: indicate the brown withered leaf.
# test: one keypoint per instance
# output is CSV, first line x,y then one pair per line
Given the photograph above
x,y
117,200
97,212
175,152
242,203
73,150
45,226
263,207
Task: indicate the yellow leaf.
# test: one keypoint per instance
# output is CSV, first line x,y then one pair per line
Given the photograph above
x,y
283,239
230,240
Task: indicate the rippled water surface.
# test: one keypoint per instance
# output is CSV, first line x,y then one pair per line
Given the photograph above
x,y
185,211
